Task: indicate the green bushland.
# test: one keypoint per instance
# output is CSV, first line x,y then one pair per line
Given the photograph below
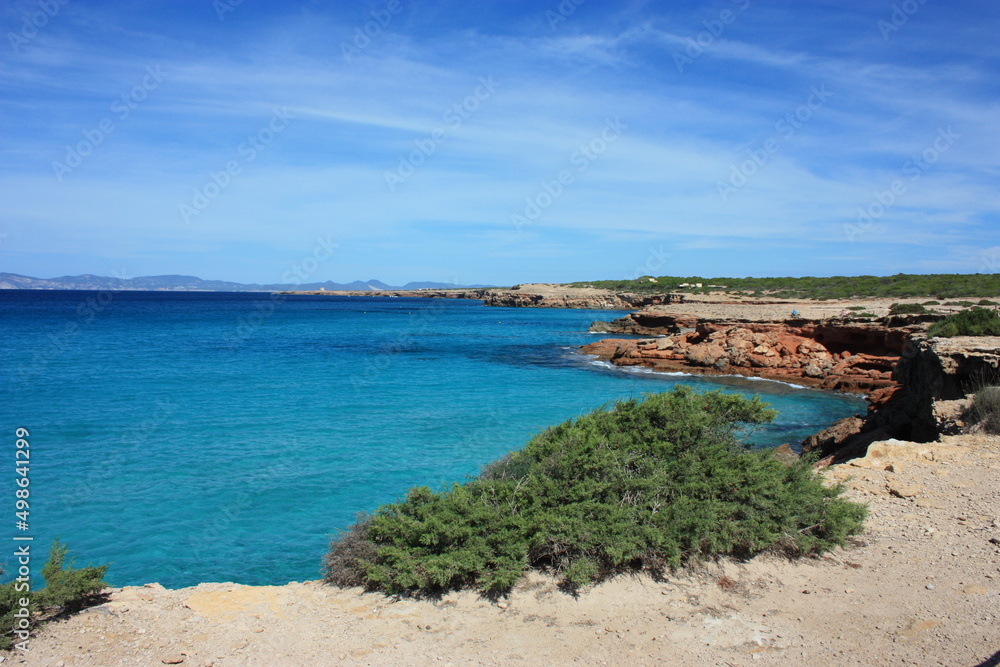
x,y
987,302
975,321
906,309
67,589
940,286
642,484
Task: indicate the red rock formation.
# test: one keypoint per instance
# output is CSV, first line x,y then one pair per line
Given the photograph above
x,y
813,354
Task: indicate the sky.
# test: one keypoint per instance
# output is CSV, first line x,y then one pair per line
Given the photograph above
x,y
498,142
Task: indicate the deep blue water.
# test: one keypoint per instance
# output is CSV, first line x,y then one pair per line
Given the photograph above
x,y
189,437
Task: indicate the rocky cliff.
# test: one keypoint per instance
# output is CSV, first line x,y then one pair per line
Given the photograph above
x,y
934,379
917,388
558,296
856,358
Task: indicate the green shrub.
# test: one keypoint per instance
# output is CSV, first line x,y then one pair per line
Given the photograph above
x,y
651,483
961,304
985,409
987,302
67,589
931,303
906,309
855,308
973,322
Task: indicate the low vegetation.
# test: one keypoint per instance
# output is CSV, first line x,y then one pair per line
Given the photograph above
x,y
940,286
67,589
907,309
985,410
975,321
643,484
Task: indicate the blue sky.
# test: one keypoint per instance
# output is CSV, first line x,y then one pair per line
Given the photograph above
x,y
499,142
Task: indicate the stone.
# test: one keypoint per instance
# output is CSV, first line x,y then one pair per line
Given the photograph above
x,y
174,659
785,454
830,439
813,371
904,490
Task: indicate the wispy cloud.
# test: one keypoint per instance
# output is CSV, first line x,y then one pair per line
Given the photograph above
x,y
555,90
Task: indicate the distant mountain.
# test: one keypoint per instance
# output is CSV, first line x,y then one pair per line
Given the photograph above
x,y
193,284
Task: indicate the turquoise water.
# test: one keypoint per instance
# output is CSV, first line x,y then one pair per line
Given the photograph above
x,y
190,437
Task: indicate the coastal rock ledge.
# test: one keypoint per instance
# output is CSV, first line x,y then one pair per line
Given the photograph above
x,y
855,358
918,388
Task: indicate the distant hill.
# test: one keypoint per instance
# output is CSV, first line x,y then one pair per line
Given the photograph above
x,y
193,284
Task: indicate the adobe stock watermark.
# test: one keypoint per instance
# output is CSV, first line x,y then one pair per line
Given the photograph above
x,y
299,272
785,129
32,22
901,13
363,35
456,114
132,441
696,46
913,169
57,342
989,263
563,11
581,158
217,520
656,259
93,137
246,152
223,7
418,324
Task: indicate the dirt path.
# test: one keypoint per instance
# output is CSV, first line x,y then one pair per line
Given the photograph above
x,y
922,587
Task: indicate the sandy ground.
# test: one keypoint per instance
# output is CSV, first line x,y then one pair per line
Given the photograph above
x,y
921,587
763,309
722,307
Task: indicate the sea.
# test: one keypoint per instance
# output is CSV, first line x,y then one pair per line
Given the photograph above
x,y
188,437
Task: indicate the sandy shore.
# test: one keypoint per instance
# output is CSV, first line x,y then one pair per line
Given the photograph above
x,y
921,586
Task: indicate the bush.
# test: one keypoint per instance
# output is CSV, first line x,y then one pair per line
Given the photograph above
x,y
651,483
344,564
906,309
985,409
931,303
67,589
987,302
973,322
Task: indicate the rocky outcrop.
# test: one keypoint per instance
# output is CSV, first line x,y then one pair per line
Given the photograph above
x,y
936,376
525,296
846,358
